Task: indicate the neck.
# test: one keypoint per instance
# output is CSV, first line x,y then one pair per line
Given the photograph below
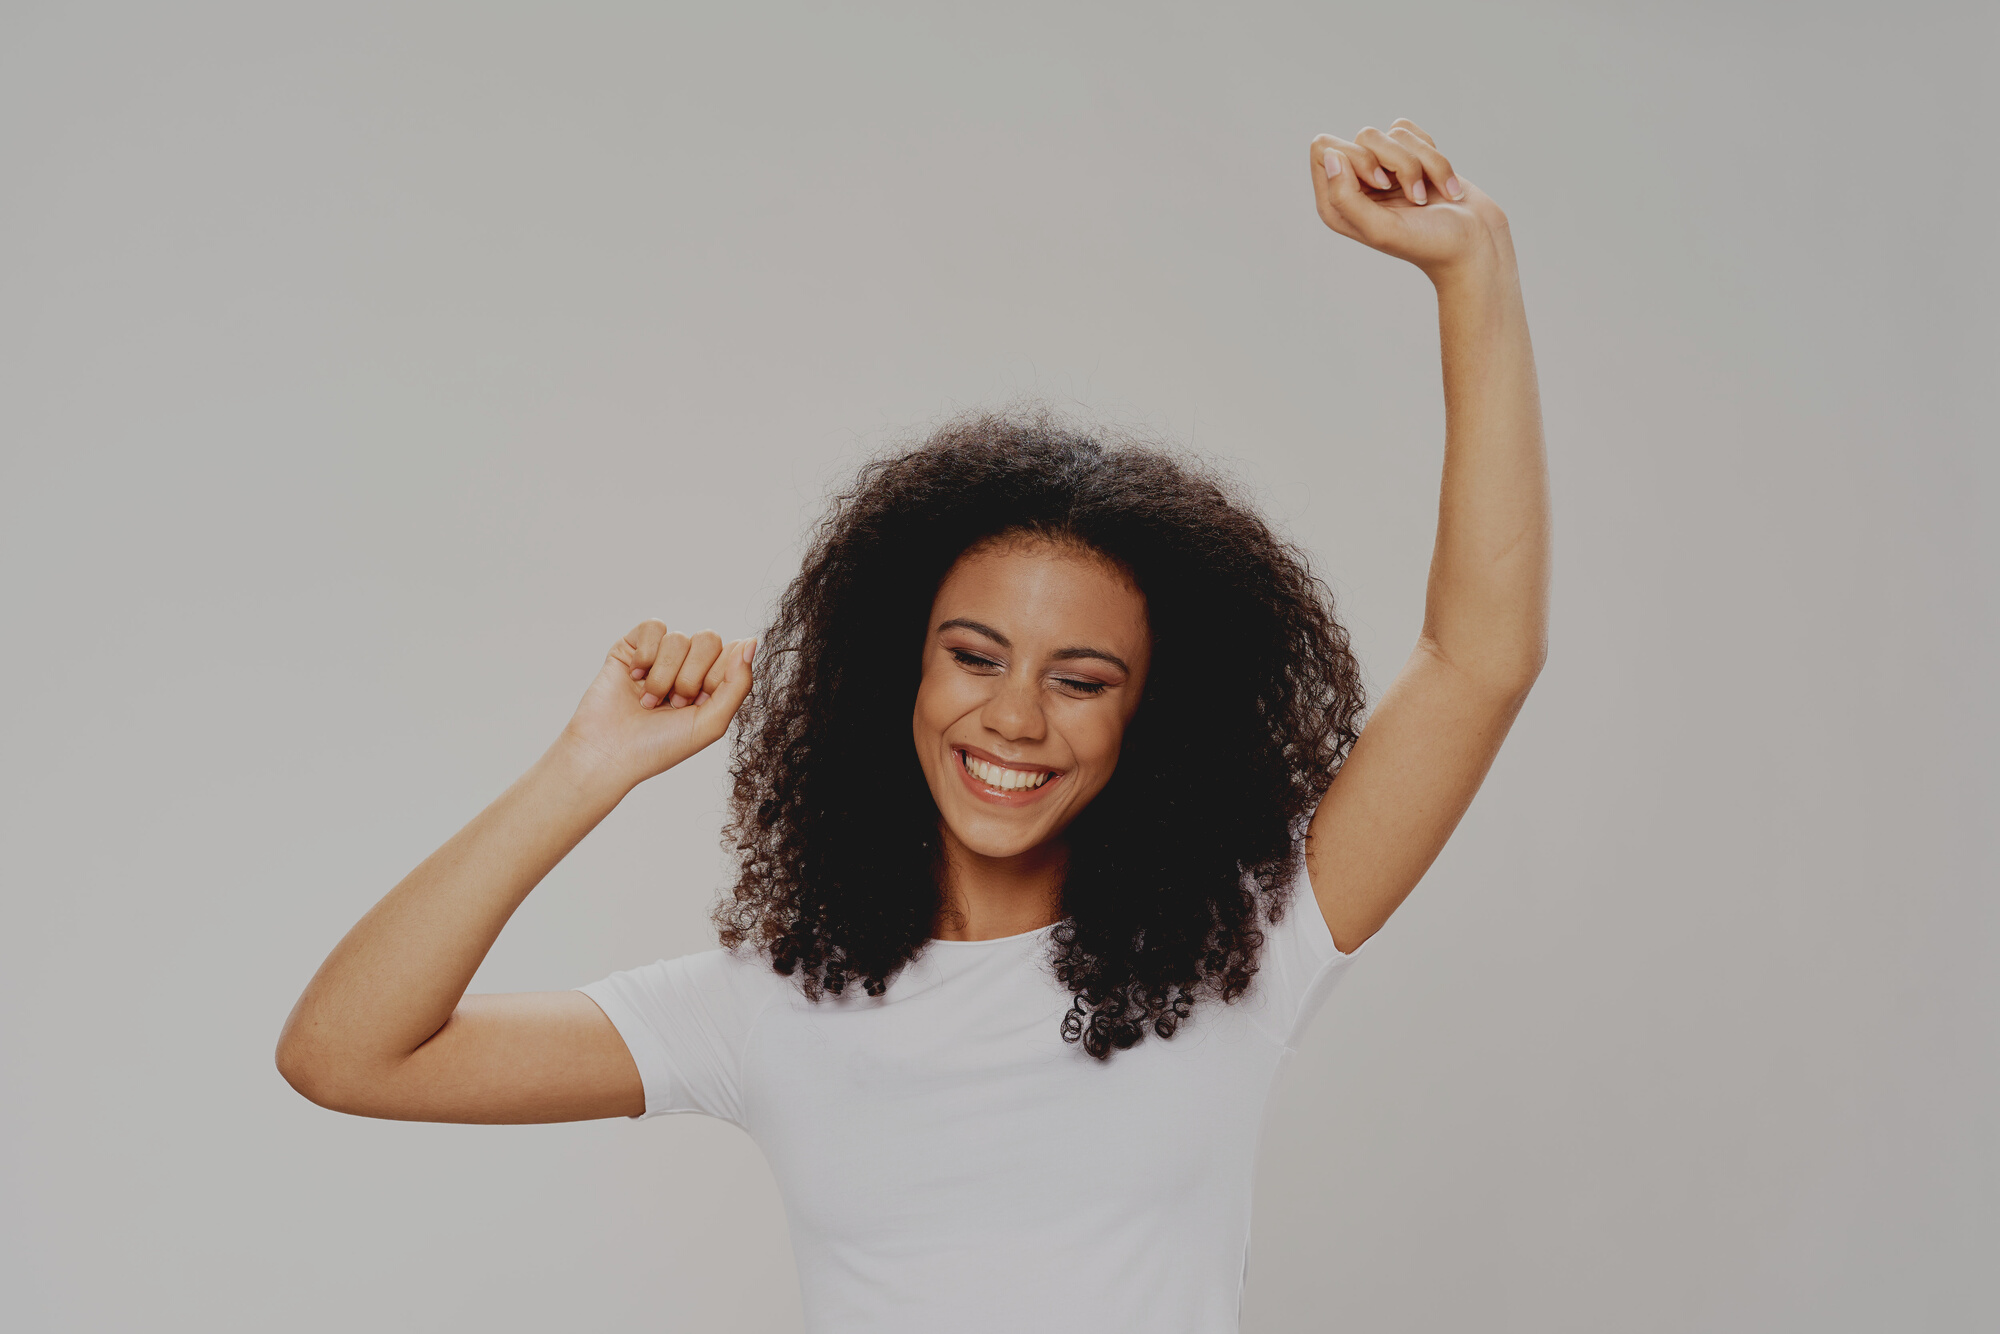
x,y
985,898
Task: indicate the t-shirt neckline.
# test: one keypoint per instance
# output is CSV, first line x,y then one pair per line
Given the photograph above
x,y
998,940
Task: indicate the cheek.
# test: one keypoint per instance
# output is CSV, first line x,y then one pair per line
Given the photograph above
x,y
924,733
942,699
1095,743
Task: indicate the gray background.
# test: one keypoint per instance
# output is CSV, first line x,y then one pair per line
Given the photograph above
x,y
365,371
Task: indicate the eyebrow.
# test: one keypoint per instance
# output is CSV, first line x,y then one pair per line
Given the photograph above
x,y
1060,655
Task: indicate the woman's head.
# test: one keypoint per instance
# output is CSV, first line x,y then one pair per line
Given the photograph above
x,y
1034,661
1027,595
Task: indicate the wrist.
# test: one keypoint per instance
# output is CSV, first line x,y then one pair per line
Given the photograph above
x,y
1482,269
585,769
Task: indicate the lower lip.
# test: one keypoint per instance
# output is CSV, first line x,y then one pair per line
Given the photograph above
x,y
1019,796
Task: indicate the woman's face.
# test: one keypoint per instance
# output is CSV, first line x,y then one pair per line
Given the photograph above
x,y
1034,661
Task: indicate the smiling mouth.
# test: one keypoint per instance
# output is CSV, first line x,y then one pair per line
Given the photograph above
x,y
1003,779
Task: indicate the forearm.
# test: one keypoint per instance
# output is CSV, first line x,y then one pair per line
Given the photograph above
x,y
1487,606
397,976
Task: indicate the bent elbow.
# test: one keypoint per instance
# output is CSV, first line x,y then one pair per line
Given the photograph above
x,y
301,1071
1510,670
1529,669
315,1076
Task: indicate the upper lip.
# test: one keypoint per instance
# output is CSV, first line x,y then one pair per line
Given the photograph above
x,y
1022,765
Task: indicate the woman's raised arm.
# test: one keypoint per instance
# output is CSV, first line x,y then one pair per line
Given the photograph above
x,y
1429,742
385,1028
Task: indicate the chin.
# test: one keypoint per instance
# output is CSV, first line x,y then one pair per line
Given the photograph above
x,y
981,838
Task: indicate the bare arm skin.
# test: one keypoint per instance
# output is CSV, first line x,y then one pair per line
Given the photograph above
x,y
385,1028
1430,740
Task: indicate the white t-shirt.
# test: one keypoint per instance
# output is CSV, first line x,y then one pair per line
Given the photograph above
x,y
950,1165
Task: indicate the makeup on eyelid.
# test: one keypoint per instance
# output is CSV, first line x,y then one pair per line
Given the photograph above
x,y
968,658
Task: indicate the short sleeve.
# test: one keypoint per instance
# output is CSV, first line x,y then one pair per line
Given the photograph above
x,y
686,1022
1300,964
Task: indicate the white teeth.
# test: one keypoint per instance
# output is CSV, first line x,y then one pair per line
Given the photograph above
x,y
1003,778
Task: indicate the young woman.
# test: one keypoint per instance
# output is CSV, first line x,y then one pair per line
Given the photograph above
x,y
1046,732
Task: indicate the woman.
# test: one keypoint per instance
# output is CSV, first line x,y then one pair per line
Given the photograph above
x,y
1003,1020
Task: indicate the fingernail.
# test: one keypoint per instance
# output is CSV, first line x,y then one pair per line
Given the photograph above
x,y
1418,191
749,653
638,673
702,698
1454,189
1332,163
677,701
648,700
1381,179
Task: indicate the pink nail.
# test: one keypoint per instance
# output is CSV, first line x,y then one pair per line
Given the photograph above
x,y
702,698
648,700
749,653
1332,163
678,701
638,673
1381,179
1454,189
1418,191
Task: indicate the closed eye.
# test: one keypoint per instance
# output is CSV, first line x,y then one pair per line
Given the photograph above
x,y
980,663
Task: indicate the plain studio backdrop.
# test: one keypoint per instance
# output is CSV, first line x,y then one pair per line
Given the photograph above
x,y
367,372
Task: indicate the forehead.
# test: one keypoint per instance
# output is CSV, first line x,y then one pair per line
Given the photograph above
x,y
1031,589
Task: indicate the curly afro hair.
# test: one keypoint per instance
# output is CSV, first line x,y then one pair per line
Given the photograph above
x,y
1170,872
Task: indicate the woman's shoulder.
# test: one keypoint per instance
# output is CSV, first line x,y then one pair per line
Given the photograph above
x,y
718,982
742,971
1298,963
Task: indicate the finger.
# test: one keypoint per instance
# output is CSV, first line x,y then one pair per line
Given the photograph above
x,y
1358,159
1331,172
702,652
1403,164
719,670
1436,165
665,667
638,648
1405,123
1343,204
1333,177
711,719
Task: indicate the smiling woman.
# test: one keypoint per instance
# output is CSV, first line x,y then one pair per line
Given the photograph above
x,y
1002,1008
1051,602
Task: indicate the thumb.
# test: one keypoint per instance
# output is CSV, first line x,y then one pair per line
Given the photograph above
x,y
1345,206
711,717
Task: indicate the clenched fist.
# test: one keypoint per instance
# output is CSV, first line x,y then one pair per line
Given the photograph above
x,y
660,697
1397,193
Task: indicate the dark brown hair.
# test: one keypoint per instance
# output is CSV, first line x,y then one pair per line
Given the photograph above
x,y
1192,843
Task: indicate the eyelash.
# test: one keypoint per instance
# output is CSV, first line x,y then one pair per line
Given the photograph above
x,y
967,659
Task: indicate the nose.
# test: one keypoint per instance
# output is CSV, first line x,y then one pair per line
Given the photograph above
x,y
1015,711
